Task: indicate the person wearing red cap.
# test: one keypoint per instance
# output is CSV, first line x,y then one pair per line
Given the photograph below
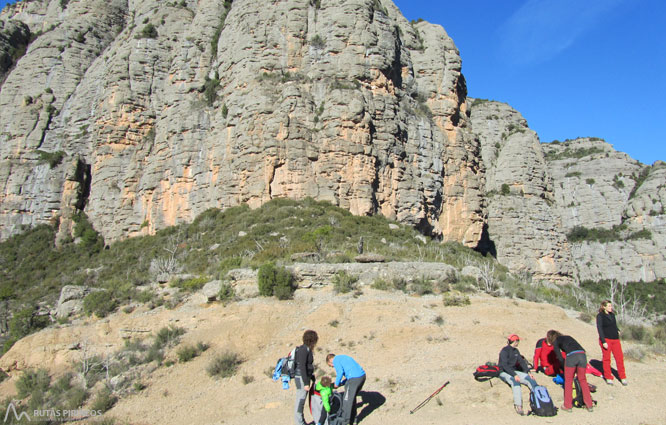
x,y
515,371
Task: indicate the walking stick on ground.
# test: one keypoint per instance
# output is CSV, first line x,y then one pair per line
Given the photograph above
x,y
424,402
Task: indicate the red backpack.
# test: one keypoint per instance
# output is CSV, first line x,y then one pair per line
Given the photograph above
x,y
486,372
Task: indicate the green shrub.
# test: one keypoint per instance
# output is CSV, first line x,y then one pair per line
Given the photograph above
x,y
344,282
506,190
154,354
585,317
168,336
399,284
277,281
210,88
190,285
226,293
224,365
52,158
318,42
91,240
32,381
187,353
26,321
104,400
227,264
455,299
149,31
636,332
422,286
381,284
101,303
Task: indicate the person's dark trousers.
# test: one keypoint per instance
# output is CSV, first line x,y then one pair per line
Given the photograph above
x,y
352,388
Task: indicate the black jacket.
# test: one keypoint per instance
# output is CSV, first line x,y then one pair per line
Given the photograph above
x,y
510,360
607,327
304,364
567,344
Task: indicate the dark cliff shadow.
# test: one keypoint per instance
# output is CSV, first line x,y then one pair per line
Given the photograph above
x,y
486,245
370,401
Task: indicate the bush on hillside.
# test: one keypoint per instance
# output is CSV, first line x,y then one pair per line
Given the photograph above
x,y
278,281
100,303
32,381
343,282
224,365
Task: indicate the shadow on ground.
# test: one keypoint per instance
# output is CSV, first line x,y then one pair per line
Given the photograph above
x,y
370,401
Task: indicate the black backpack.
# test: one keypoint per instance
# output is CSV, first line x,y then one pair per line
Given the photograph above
x,y
486,372
540,402
577,394
334,417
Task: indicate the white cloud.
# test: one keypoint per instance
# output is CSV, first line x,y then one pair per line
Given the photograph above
x,y
541,29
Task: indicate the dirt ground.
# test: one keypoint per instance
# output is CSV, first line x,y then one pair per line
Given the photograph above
x,y
409,346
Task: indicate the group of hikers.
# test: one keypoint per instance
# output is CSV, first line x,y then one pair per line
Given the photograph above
x,y
555,355
348,373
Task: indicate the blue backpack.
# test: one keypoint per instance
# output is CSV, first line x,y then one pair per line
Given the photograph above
x,y
285,368
540,402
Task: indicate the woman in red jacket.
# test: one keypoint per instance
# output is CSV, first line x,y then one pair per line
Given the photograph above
x,y
609,340
545,359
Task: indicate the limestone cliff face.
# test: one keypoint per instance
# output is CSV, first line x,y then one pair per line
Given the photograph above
x,y
538,193
597,187
145,114
523,220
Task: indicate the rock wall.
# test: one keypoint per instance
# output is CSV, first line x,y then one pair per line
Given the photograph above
x,y
597,187
146,114
538,194
523,221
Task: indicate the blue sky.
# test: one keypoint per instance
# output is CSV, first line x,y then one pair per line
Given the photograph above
x,y
573,68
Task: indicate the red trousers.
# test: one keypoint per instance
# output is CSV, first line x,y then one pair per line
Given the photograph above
x,y
614,347
576,363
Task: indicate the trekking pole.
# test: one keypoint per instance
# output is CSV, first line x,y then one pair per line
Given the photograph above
x,y
424,402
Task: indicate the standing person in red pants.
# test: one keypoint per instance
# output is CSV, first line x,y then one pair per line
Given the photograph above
x,y
576,363
609,340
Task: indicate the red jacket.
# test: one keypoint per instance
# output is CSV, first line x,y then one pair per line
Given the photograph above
x,y
544,355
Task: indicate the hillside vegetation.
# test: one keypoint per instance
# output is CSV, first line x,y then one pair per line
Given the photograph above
x,y
280,232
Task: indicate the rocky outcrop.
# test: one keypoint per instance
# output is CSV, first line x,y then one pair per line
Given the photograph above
x,y
176,108
14,38
523,220
70,301
145,114
596,188
568,211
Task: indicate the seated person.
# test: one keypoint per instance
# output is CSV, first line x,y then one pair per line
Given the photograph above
x,y
514,371
545,359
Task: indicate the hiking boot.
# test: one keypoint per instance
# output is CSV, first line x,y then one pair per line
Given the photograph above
x,y
624,382
519,410
609,381
564,409
590,409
